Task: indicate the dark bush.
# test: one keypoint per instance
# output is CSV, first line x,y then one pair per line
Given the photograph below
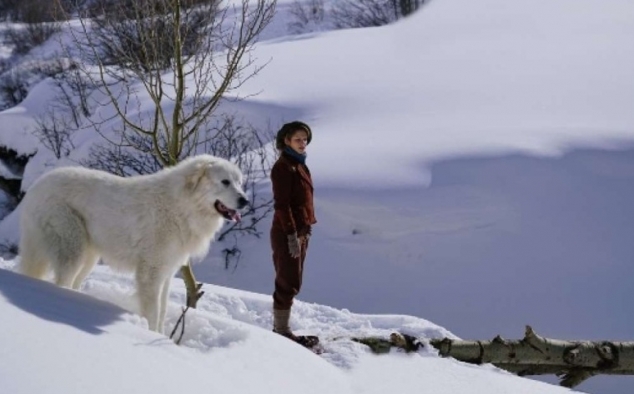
x,y
27,37
368,13
36,11
13,89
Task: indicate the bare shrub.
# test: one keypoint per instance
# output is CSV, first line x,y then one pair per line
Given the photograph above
x,y
251,151
66,114
55,133
307,16
73,91
140,35
132,155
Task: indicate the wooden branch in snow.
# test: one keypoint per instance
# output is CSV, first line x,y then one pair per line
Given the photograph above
x,y
572,361
193,295
193,287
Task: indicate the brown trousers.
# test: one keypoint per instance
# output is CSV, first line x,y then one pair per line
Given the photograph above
x,y
288,270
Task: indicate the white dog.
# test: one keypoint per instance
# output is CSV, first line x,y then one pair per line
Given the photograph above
x,y
150,225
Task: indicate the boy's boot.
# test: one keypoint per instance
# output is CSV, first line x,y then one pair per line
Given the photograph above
x,y
281,318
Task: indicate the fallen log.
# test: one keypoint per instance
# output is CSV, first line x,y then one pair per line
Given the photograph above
x,y
572,361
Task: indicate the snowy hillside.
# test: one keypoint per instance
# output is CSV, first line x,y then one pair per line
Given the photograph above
x,y
60,341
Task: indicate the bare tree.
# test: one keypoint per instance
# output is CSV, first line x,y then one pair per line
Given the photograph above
x,y
185,87
186,57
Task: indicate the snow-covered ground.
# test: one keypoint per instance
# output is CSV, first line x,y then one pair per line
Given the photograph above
x,y
473,166
60,341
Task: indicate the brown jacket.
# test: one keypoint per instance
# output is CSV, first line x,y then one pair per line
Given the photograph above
x,y
293,196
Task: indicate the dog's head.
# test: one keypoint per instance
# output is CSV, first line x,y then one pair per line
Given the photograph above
x,y
218,183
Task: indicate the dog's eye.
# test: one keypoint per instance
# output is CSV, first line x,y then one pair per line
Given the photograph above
x,y
226,182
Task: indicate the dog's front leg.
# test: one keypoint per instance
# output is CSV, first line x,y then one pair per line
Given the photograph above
x,y
165,291
150,283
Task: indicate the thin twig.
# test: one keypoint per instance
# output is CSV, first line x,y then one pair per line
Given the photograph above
x,y
180,320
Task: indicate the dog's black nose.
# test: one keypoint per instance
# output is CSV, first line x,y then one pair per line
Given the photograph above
x,y
242,202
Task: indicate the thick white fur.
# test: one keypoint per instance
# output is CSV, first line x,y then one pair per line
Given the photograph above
x,y
149,225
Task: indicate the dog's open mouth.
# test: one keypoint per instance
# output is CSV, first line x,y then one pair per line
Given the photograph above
x,y
227,213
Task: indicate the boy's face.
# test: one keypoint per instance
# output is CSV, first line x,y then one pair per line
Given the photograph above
x,y
298,141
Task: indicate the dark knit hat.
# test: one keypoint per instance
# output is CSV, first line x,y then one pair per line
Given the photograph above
x,y
288,130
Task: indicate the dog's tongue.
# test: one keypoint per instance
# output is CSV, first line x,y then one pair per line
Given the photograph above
x,y
236,216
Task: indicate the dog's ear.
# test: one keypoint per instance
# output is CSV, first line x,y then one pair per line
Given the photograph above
x,y
196,175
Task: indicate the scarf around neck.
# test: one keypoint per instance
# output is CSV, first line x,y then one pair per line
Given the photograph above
x,y
301,158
